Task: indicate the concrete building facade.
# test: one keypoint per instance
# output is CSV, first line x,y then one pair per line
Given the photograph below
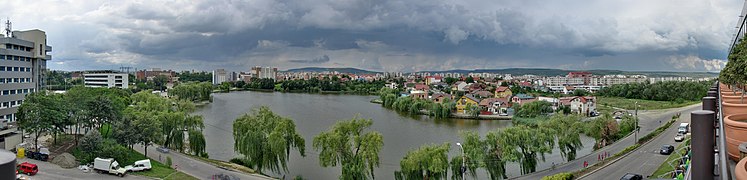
x,y
265,72
106,79
23,64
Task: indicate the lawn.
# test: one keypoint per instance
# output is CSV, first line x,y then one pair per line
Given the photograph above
x,y
644,104
665,168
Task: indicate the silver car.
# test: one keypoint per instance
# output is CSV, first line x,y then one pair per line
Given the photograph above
x,y
679,137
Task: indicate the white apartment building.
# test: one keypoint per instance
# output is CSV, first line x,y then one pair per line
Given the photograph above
x,y
562,81
106,79
221,75
265,72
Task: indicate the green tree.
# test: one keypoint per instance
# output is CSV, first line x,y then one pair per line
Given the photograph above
x,y
225,86
566,130
529,144
469,79
475,151
41,113
348,145
497,154
604,129
265,139
534,109
473,110
426,162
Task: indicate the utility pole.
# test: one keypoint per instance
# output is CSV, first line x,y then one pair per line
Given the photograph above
x,y
636,124
464,161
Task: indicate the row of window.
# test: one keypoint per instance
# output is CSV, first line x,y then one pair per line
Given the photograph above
x,y
14,80
10,104
15,58
17,47
17,91
16,69
8,118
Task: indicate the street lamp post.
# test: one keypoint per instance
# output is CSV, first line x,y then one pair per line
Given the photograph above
x,y
636,124
464,161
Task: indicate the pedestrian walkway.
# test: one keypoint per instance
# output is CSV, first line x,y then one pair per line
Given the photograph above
x,y
193,167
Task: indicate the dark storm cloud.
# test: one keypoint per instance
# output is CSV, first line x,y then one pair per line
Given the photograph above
x,y
318,60
392,35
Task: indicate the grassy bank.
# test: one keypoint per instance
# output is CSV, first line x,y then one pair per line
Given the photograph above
x,y
644,104
159,170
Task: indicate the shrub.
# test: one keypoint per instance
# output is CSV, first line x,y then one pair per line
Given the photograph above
x,y
168,161
559,176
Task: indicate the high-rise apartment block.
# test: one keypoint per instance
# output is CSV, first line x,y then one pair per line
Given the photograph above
x,y
265,72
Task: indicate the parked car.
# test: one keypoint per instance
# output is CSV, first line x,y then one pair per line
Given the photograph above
x,y
27,168
666,149
631,176
108,165
142,165
679,137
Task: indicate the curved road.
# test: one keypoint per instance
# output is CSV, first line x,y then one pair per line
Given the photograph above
x,y
646,159
196,168
649,120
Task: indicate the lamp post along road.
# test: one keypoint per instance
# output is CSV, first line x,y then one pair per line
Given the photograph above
x,y
464,161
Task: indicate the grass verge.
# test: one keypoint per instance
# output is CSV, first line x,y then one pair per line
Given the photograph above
x,y
665,168
644,104
223,164
158,170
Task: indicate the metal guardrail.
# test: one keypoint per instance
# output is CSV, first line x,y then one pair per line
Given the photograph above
x,y
723,163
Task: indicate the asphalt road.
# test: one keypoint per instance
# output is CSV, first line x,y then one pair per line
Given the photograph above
x,y
648,121
646,159
49,171
196,168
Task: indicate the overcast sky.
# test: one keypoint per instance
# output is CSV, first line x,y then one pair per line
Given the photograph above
x,y
382,35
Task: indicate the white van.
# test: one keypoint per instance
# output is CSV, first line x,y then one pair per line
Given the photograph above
x,y
684,128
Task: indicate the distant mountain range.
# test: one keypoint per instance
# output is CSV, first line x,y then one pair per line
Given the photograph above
x,y
523,71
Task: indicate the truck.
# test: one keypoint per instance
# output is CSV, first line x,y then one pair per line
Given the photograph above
x,y
684,128
108,165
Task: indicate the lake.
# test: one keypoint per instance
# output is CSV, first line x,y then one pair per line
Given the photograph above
x,y
314,113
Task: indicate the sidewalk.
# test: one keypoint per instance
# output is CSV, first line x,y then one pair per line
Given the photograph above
x,y
648,123
193,167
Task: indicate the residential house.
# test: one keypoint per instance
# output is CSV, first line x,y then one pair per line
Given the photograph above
x,y
494,105
466,100
521,99
391,85
418,94
441,97
580,104
422,87
477,86
482,94
459,86
502,92
554,101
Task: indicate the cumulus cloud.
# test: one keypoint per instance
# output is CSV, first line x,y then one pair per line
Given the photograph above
x,y
389,34
695,63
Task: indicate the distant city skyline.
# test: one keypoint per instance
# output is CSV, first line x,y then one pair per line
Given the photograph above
x,y
406,36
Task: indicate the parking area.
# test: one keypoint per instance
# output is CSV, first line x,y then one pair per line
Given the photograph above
x,y
49,171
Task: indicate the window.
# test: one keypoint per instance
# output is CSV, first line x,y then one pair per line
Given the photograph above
x,y
2,68
8,46
16,69
16,58
41,50
15,47
2,56
12,103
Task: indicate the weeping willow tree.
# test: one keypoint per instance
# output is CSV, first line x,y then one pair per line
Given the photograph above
x,y
348,145
475,151
266,139
427,162
528,144
567,130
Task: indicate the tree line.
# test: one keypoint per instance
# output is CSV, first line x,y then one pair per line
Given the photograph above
x,y
192,91
313,85
391,99
266,140
659,91
113,118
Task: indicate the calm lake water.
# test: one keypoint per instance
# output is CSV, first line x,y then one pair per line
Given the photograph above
x,y
314,113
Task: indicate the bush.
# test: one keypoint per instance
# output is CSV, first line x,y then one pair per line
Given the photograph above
x,y
91,141
559,176
168,161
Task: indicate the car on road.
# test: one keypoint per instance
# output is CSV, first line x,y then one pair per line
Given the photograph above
x,y
162,149
679,137
27,168
631,176
666,149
